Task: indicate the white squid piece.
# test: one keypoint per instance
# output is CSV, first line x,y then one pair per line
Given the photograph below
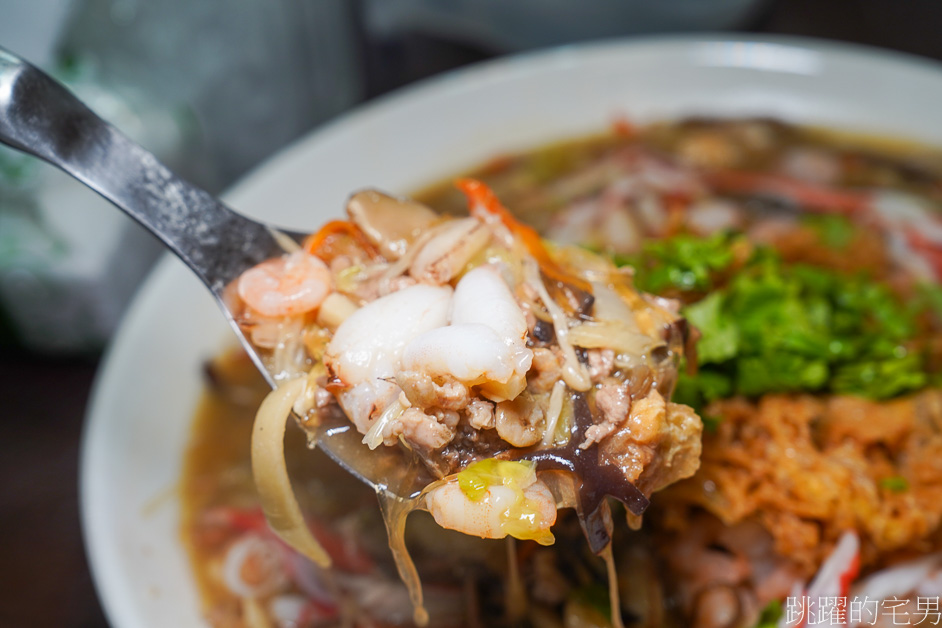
x,y
471,353
366,349
484,346
482,296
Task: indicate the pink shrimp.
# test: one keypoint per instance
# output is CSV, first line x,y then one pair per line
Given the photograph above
x,y
290,285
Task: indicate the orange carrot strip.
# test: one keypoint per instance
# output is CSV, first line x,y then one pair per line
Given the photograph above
x,y
315,241
623,127
808,194
484,204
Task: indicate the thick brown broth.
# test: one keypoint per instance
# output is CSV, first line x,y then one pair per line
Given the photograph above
x,y
522,180
219,502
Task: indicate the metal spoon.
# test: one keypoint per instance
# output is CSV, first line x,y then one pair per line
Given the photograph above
x,y
41,117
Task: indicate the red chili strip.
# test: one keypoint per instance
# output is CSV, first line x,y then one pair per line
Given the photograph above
x,y
807,194
484,205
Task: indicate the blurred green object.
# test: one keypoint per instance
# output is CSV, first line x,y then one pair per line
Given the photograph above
x,y
777,327
211,87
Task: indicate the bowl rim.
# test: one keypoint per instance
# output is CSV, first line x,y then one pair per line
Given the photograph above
x,y
545,58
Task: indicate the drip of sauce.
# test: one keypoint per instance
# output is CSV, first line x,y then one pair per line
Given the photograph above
x,y
396,502
613,596
515,595
395,512
597,481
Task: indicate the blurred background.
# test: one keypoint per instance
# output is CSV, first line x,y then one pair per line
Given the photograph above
x,y
214,87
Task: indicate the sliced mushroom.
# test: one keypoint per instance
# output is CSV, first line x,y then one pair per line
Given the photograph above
x,y
390,223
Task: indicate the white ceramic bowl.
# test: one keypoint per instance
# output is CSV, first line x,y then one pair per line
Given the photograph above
x,y
147,390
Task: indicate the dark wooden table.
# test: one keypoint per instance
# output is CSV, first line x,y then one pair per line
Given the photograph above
x,y
44,577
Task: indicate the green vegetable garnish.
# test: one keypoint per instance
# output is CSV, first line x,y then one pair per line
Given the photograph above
x,y
835,231
895,484
723,340
699,390
710,423
684,262
929,298
788,328
881,379
770,615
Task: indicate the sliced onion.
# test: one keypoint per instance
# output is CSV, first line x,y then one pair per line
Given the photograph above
x,y
374,436
285,241
271,475
573,373
609,305
553,411
287,610
254,615
616,335
334,310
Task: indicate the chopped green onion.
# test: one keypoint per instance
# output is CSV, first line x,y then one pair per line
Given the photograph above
x,y
771,615
895,484
684,262
775,327
835,231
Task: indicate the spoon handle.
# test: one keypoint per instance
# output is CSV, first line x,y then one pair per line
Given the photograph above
x,y
41,117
